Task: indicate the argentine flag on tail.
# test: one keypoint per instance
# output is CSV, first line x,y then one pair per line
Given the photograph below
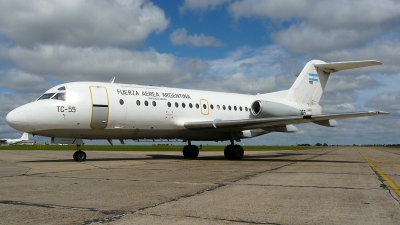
x,y
313,77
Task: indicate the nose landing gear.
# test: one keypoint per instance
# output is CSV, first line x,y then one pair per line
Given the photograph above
x,y
79,155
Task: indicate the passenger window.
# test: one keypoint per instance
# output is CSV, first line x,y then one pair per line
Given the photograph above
x,y
183,105
229,107
240,108
154,103
45,96
234,107
197,105
211,106
59,96
223,107
176,104
146,103
204,106
138,102
190,105
218,107
246,108
169,104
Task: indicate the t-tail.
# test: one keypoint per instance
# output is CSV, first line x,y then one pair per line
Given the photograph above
x,y
310,83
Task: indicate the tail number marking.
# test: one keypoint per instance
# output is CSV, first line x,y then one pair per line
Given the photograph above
x,y
62,109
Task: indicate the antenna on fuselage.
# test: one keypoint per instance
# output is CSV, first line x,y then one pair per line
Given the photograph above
x,y
112,80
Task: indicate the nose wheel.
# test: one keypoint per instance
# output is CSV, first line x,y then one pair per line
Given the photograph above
x,y
79,155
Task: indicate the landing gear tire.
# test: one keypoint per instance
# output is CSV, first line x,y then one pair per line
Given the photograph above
x,y
79,156
234,152
190,151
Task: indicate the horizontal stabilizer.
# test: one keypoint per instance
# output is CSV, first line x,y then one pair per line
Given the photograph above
x,y
337,66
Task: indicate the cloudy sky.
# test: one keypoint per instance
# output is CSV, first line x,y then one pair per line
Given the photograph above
x,y
244,46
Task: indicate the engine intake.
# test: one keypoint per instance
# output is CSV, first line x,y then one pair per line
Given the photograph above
x,y
261,109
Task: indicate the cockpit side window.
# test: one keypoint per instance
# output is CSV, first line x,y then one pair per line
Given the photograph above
x,y
46,96
59,96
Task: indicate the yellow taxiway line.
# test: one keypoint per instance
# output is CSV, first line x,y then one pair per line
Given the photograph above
x,y
381,174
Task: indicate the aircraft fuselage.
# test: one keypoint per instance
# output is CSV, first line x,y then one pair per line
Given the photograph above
x,y
94,110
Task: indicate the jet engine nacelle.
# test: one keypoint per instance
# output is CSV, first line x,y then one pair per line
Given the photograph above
x,y
261,109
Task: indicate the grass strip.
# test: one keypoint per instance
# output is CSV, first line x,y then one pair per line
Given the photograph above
x,y
149,147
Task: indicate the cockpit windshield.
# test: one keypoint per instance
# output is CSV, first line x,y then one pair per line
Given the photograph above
x,y
59,96
55,96
46,96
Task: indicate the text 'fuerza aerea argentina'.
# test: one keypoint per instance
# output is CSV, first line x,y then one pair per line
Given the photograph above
x,y
152,94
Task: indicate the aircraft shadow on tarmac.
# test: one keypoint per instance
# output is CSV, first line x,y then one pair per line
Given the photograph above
x,y
255,158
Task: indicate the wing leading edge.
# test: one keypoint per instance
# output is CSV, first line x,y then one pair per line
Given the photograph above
x,y
274,121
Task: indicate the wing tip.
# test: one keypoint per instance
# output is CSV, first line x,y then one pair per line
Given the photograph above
x,y
379,112
375,62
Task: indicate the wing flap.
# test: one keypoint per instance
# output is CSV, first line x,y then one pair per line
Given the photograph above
x,y
273,121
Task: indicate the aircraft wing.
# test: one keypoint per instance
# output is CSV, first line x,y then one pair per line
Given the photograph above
x,y
245,124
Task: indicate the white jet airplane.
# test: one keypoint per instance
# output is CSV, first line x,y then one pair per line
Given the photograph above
x,y
74,111
24,137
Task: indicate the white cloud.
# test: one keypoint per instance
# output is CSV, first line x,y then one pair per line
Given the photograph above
x,y
202,5
265,60
98,64
237,83
342,92
305,39
341,108
388,101
180,37
323,13
274,9
342,97
196,66
341,83
386,51
66,64
12,101
80,23
22,82
317,26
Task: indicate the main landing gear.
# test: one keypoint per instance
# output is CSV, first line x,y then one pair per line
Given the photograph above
x,y
79,155
190,151
232,151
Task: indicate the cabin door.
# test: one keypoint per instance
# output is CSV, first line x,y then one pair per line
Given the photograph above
x,y
100,107
205,108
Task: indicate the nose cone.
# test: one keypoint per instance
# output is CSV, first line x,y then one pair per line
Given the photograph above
x,y
18,118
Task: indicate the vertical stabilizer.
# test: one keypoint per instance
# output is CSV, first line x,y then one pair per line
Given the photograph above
x,y
25,137
309,85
